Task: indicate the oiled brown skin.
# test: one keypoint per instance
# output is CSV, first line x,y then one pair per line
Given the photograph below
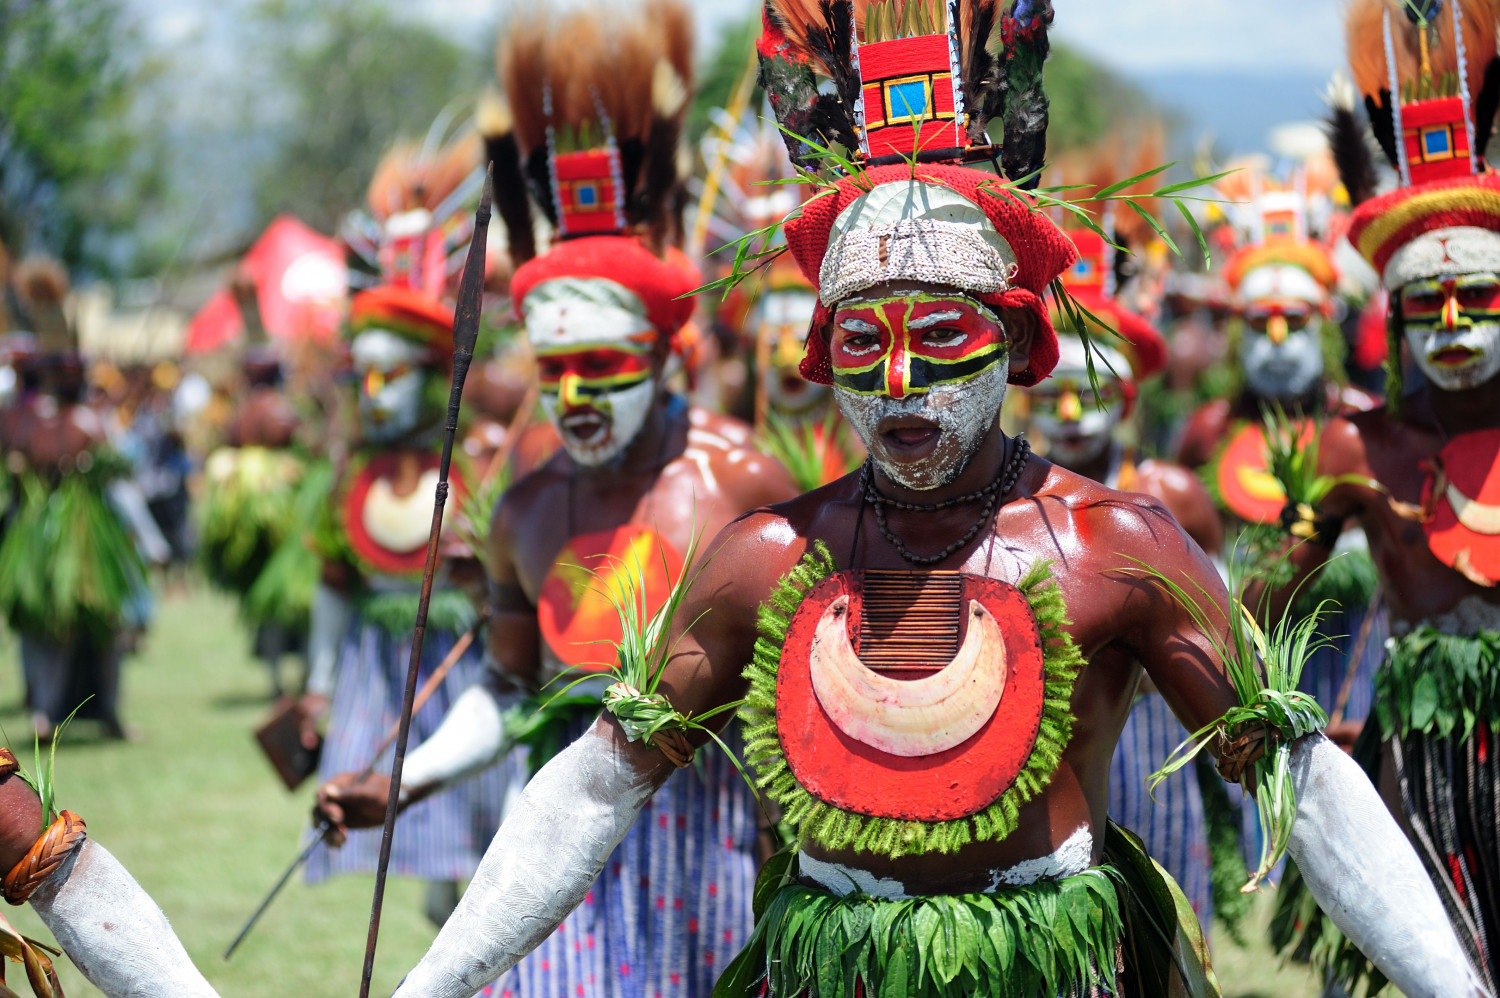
x,y
51,436
1088,532
1211,421
685,474
20,821
1177,488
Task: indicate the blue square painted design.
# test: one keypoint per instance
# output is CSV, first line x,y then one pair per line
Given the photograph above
x,y
908,100
1436,142
588,195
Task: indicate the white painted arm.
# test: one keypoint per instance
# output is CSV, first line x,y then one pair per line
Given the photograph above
x,y
331,613
475,735
130,503
1368,879
555,840
112,930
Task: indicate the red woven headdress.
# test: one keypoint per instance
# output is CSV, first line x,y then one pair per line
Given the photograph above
x,y
1041,253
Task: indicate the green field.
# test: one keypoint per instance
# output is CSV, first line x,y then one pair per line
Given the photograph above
x,y
196,814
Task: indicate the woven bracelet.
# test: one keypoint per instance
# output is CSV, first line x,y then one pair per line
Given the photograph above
x,y
61,839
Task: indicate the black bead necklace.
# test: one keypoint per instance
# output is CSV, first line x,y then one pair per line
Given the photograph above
x,y
990,495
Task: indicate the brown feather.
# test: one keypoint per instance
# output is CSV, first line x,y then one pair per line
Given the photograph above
x,y
1364,34
41,281
673,22
404,180
796,17
520,64
1479,18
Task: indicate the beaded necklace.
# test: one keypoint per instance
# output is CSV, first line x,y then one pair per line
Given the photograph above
x,y
990,495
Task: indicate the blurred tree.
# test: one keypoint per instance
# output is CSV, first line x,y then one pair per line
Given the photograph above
x,y
354,78
77,167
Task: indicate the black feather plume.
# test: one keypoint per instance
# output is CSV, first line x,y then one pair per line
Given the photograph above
x,y
661,177
984,84
1351,153
1383,125
1024,148
539,182
510,195
1485,107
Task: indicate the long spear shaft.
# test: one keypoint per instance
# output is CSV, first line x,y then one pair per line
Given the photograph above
x,y
465,336
324,826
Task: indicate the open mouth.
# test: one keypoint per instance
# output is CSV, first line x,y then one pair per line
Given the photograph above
x,y
908,438
1453,356
587,427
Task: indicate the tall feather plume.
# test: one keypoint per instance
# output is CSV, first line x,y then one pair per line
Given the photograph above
x,y
406,180
1481,18
802,40
41,285
524,70
1364,34
669,98
984,84
1347,142
497,124
1024,147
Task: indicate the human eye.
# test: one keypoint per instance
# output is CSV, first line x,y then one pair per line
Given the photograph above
x,y
944,336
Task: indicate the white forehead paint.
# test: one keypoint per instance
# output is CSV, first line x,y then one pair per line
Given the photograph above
x,y
578,311
1279,280
964,412
1460,249
1286,370
382,350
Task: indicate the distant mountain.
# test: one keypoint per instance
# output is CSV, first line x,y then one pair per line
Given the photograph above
x,y
1238,107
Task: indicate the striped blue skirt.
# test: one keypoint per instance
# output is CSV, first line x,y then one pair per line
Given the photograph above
x,y
444,836
671,908
1172,825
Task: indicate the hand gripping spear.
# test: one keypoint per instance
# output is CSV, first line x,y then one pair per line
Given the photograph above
x,y
465,334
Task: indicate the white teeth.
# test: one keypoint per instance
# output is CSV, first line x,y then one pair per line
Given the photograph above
x,y
1479,517
909,718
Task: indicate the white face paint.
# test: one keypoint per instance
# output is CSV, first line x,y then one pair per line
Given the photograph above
x,y
1286,370
1452,325
962,411
1074,422
593,343
597,434
391,382
784,319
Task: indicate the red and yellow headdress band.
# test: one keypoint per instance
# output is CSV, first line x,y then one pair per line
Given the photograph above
x,y
406,312
1388,230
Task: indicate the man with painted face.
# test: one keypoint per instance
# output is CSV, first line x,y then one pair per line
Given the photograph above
x,y
1422,469
936,653
640,478
1077,419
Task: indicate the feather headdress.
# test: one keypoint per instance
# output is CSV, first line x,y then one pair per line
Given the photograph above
x,y
910,79
597,118
417,222
41,284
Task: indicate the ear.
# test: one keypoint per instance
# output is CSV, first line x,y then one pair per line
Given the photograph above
x,y
1020,329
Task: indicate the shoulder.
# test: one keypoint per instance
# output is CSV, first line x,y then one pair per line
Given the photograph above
x,y
1202,431
537,490
727,428
722,449
1103,519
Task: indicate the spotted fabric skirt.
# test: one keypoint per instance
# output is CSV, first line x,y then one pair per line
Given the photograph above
x,y
671,908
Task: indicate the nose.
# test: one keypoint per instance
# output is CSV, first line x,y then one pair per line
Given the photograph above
x,y
896,371
567,391
1069,407
1276,329
1450,310
374,382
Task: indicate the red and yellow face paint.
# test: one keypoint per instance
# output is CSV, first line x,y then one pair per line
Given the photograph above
x,y
907,345
577,377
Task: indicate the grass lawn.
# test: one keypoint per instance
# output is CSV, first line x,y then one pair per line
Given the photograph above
x,y
194,811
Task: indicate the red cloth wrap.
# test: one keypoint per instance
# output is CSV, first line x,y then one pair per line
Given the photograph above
x,y
1042,253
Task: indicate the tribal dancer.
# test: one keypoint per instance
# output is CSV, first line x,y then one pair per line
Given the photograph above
x,y
1079,423
1287,351
640,477
374,533
1429,457
72,575
939,650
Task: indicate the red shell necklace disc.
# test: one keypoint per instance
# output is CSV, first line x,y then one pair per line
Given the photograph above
x,y
388,533
1463,492
577,620
910,695
1246,485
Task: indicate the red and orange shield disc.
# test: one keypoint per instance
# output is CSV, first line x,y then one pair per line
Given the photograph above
x,y
578,621
410,557
1464,529
1246,485
953,783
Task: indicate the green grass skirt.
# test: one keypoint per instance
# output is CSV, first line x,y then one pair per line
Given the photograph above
x,y
1125,927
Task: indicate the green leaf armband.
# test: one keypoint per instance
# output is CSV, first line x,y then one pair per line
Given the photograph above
x,y
642,715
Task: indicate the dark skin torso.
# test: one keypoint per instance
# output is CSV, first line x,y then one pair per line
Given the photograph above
x,y
51,436
1086,530
1176,488
266,419
1206,428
